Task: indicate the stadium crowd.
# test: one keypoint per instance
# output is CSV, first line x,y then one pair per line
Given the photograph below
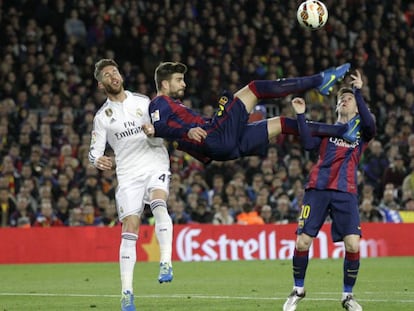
x,y
48,98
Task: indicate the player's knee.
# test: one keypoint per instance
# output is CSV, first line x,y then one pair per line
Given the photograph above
x,y
130,224
352,247
303,242
352,243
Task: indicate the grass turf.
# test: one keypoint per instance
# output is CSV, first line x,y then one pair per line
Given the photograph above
x,y
383,284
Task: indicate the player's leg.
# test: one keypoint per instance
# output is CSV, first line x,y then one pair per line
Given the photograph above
x,y
129,212
351,268
313,214
262,89
346,227
159,185
284,125
300,262
127,260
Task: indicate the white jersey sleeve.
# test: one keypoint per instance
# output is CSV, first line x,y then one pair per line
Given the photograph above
x,y
98,140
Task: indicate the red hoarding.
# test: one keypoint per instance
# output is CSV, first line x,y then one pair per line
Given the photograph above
x,y
193,243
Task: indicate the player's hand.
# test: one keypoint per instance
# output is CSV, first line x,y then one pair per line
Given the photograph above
x,y
357,80
197,134
104,163
149,129
299,105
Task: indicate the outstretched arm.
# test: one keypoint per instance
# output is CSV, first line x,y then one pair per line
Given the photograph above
x,y
165,118
367,120
309,142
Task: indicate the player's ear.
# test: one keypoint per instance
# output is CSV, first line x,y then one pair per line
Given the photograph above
x,y
165,84
100,85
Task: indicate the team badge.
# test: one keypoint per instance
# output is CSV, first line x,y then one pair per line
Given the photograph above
x,y
109,112
223,100
139,113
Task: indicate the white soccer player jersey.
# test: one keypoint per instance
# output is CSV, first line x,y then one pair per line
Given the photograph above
x,y
120,125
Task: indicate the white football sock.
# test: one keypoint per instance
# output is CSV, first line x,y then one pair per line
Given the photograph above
x,y
127,259
163,229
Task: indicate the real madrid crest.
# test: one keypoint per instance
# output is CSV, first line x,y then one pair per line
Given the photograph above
x,y
109,112
139,112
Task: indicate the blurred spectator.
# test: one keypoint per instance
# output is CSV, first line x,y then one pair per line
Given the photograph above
x,y
76,217
407,211
223,216
91,185
374,165
62,209
61,187
28,189
7,204
24,222
294,173
201,214
23,210
10,175
395,172
91,215
74,197
252,168
284,214
408,181
217,188
370,213
408,205
267,214
389,205
47,216
109,214
178,213
248,216
254,188
75,27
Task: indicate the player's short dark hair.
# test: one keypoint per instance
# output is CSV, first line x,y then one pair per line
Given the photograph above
x,y
165,70
344,90
101,64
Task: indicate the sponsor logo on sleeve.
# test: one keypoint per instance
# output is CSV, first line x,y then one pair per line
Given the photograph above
x,y
155,116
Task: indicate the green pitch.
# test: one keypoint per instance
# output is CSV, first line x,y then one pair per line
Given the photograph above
x,y
383,284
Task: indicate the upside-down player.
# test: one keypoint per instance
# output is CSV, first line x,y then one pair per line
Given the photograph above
x,y
228,135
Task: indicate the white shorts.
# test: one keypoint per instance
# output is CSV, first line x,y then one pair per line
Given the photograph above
x,y
131,197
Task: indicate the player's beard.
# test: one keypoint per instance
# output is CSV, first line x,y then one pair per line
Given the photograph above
x,y
113,90
179,94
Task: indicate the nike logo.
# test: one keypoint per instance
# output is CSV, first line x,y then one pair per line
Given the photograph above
x,y
329,82
357,121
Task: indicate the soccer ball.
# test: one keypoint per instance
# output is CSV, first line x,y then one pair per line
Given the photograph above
x,y
312,14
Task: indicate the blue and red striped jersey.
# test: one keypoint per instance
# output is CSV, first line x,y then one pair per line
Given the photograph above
x,y
172,120
337,165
